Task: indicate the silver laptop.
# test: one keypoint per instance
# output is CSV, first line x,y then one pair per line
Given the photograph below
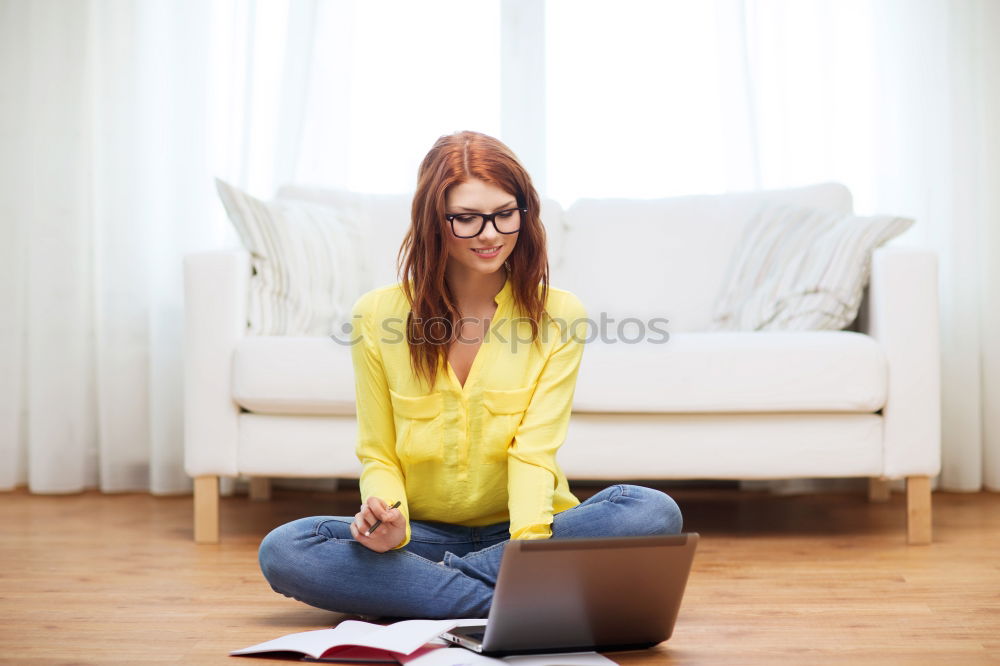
x,y
563,595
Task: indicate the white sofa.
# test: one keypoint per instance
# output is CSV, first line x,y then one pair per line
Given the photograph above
x,y
704,405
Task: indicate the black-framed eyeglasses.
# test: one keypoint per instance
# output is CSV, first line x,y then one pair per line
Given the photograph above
x,y
470,225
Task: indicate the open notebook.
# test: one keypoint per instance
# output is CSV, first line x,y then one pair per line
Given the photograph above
x,y
411,642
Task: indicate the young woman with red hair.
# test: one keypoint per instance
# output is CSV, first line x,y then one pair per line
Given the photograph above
x,y
464,377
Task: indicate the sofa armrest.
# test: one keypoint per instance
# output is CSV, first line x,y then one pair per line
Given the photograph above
x,y
215,319
901,312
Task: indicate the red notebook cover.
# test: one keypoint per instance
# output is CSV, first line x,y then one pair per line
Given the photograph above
x,y
366,655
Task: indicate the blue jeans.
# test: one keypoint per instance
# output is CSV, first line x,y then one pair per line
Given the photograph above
x,y
445,570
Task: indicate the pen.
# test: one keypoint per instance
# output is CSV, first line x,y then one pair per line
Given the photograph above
x,y
379,521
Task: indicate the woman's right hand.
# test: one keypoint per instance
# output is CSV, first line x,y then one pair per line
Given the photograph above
x,y
389,534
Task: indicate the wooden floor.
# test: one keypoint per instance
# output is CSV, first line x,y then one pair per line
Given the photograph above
x,y
94,579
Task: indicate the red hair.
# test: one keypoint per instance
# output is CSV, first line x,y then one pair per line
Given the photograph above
x,y
454,159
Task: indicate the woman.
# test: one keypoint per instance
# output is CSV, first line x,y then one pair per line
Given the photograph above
x,y
464,375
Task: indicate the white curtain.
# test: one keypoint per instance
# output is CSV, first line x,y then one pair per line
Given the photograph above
x,y
115,116
938,160
104,185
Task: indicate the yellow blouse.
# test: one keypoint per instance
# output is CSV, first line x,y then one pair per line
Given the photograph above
x,y
473,455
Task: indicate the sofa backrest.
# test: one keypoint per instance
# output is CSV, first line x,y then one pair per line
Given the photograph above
x,y
624,258
386,217
667,258
383,219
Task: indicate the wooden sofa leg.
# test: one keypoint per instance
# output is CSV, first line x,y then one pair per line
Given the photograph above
x,y
206,509
918,509
260,488
878,489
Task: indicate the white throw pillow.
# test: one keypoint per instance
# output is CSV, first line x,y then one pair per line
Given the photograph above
x,y
799,268
307,261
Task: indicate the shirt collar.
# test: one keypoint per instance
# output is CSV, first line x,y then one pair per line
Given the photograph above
x,y
506,293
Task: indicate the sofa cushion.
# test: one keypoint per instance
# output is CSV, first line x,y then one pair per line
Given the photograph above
x,y
293,375
817,371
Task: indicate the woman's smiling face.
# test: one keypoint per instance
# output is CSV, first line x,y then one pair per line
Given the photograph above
x,y
477,196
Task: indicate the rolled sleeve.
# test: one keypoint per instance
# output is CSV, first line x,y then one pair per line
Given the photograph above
x,y
381,473
531,463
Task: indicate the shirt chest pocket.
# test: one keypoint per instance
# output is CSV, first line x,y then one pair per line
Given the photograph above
x,y
504,410
419,426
